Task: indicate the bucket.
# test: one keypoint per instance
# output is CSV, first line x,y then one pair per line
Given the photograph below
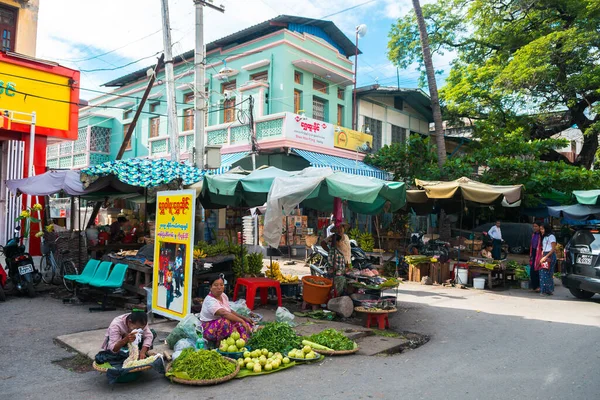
x,y
478,283
313,293
462,276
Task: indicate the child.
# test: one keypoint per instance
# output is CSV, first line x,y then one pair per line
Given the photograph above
x,y
486,252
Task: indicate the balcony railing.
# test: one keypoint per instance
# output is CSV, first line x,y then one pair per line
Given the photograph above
x,y
267,127
91,147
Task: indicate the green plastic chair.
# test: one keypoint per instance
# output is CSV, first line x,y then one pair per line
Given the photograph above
x,y
101,273
114,281
87,274
116,277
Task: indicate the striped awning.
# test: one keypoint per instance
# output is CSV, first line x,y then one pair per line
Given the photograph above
x,y
227,160
355,167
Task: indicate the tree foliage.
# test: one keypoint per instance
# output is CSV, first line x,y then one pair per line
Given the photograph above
x,y
524,71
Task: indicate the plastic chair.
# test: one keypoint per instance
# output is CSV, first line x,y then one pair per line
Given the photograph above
x,y
101,273
252,284
87,274
114,281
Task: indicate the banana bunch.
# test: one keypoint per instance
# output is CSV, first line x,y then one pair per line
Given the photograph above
x,y
277,275
199,253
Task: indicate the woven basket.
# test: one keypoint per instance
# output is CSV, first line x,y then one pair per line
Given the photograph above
x,y
311,240
366,310
206,382
139,369
339,352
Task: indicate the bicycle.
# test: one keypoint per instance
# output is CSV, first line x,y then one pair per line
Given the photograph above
x,y
54,267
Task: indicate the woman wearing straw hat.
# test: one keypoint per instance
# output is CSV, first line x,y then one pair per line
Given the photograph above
x,y
340,257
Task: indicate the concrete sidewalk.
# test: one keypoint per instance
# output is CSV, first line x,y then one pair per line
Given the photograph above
x,y
88,342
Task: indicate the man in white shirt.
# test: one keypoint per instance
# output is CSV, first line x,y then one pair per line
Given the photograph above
x,y
496,235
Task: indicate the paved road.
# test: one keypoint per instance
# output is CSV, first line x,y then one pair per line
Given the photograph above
x,y
501,345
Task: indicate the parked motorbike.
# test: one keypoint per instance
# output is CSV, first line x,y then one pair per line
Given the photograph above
x,y
3,279
21,269
360,259
433,247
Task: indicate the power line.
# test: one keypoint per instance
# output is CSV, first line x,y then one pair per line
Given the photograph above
x,y
120,67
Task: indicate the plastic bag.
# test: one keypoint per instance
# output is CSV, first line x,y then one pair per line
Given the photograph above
x,y
240,307
284,315
182,344
185,329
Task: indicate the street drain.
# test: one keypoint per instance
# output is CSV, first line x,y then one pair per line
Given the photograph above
x,y
77,363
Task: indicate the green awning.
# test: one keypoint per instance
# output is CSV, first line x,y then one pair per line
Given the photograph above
x,y
587,197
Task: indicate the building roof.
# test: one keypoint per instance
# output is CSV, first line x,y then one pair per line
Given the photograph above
x,y
301,24
416,98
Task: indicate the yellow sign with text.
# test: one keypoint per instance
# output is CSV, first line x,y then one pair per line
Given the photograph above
x,y
27,90
349,139
173,253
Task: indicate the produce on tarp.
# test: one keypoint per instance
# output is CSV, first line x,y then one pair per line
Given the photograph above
x,y
303,353
275,337
259,360
201,365
333,339
233,344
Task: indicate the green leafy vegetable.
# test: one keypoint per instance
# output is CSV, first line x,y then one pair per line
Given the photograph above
x,y
333,339
275,337
201,365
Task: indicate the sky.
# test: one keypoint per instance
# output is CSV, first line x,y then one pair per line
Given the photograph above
x,y
110,38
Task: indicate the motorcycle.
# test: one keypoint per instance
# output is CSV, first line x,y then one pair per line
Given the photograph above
x,y
360,259
21,269
3,278
433,247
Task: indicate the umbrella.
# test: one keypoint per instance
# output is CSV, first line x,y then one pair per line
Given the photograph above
x,y
143,172
234,189
317,187
69,182
471,190
578,212
587,197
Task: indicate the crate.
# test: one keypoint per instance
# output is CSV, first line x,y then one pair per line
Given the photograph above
x,y
290,289
417,272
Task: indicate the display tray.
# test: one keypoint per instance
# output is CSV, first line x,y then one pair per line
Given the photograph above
x,y
366,310
340,352
246,372
318,357
106,366
204,382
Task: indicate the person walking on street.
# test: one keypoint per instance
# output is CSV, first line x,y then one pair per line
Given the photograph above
x,y
548,260
178,273
496,235
535,253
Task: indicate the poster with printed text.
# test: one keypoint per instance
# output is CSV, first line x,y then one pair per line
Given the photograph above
x,y
173,253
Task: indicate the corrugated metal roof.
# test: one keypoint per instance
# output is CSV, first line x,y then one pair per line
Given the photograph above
x,y
339,39
416,98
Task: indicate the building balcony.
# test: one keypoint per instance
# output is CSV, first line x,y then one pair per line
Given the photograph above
x,y
91,147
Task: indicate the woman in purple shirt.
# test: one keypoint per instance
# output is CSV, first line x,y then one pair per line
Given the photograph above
x,y
120,333
534,258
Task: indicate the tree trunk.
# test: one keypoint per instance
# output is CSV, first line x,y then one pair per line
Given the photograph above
x,y
433,91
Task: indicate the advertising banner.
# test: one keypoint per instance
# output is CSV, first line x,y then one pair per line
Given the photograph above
x,y
308,130
173,253
349,139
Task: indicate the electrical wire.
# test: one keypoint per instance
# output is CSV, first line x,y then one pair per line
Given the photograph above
x,y
119,67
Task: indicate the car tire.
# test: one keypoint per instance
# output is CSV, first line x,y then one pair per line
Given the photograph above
x,y
581,294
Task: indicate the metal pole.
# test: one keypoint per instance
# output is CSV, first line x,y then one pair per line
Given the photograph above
x,y
200,94
199,84
354,105
170,80
30,172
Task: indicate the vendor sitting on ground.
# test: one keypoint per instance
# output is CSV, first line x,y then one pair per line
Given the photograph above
x,y
486,252
116,230
340,256
120,333
217,318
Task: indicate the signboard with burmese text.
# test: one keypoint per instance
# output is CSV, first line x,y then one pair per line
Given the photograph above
x,y
173,253
307,130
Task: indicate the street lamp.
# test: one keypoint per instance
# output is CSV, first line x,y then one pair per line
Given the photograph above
x,y
361,31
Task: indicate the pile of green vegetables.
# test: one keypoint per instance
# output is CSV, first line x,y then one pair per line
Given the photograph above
x,y
277,337
332,339
200,365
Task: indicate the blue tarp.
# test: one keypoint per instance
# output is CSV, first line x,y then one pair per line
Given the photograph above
x,y
576,212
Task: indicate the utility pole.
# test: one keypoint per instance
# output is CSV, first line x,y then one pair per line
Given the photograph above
x,y
170,80
200,94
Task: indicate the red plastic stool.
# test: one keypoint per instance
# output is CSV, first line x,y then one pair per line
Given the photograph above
x,y
381,320
251,284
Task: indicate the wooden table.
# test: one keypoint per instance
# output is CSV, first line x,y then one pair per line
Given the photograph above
x,y
491,273
113,247
137,270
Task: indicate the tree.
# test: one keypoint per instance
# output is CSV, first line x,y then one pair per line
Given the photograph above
x,y
432,84
519,64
